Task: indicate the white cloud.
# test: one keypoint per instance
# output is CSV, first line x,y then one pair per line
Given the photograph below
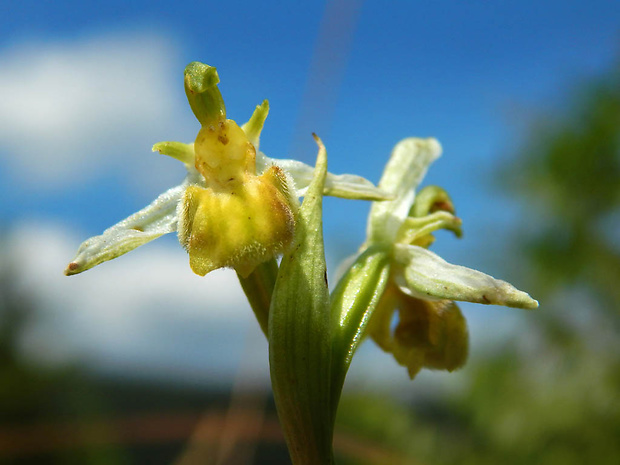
x,y
70,110
144,311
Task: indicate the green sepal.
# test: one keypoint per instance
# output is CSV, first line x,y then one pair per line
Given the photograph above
x,y
299,335
202,92
258,287
352,304
426,275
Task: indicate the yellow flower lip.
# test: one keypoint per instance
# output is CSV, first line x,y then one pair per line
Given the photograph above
x,y
238,229
239,219
429,333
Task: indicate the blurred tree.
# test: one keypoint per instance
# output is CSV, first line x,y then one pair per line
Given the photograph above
x,y
552,397
41,400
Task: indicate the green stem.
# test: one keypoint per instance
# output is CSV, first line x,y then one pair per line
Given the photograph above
x,y
258,287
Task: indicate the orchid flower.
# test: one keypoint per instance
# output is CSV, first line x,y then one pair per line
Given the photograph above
x,y
236,207
395,271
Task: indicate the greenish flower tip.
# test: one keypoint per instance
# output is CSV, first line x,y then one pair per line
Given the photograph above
x,y
203,95
422,288
200,78
236,207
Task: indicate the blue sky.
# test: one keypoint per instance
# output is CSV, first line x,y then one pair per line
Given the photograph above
x,y
88,87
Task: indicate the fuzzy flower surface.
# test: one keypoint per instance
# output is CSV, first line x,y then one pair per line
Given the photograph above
x,y
236,207
420,288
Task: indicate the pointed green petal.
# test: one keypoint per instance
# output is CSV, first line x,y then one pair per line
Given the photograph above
x,y
159,218
178,150
347,186
299,335
407,166
255,125
415,228
427,276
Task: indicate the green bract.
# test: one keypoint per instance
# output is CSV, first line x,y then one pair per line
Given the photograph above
x,y
299,334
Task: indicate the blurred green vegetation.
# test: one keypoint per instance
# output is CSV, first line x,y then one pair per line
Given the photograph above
x,y
72,415
551,395
37,400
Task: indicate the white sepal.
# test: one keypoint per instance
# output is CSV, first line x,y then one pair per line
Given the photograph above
x,y
153,221
425,275
347,186
406,168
